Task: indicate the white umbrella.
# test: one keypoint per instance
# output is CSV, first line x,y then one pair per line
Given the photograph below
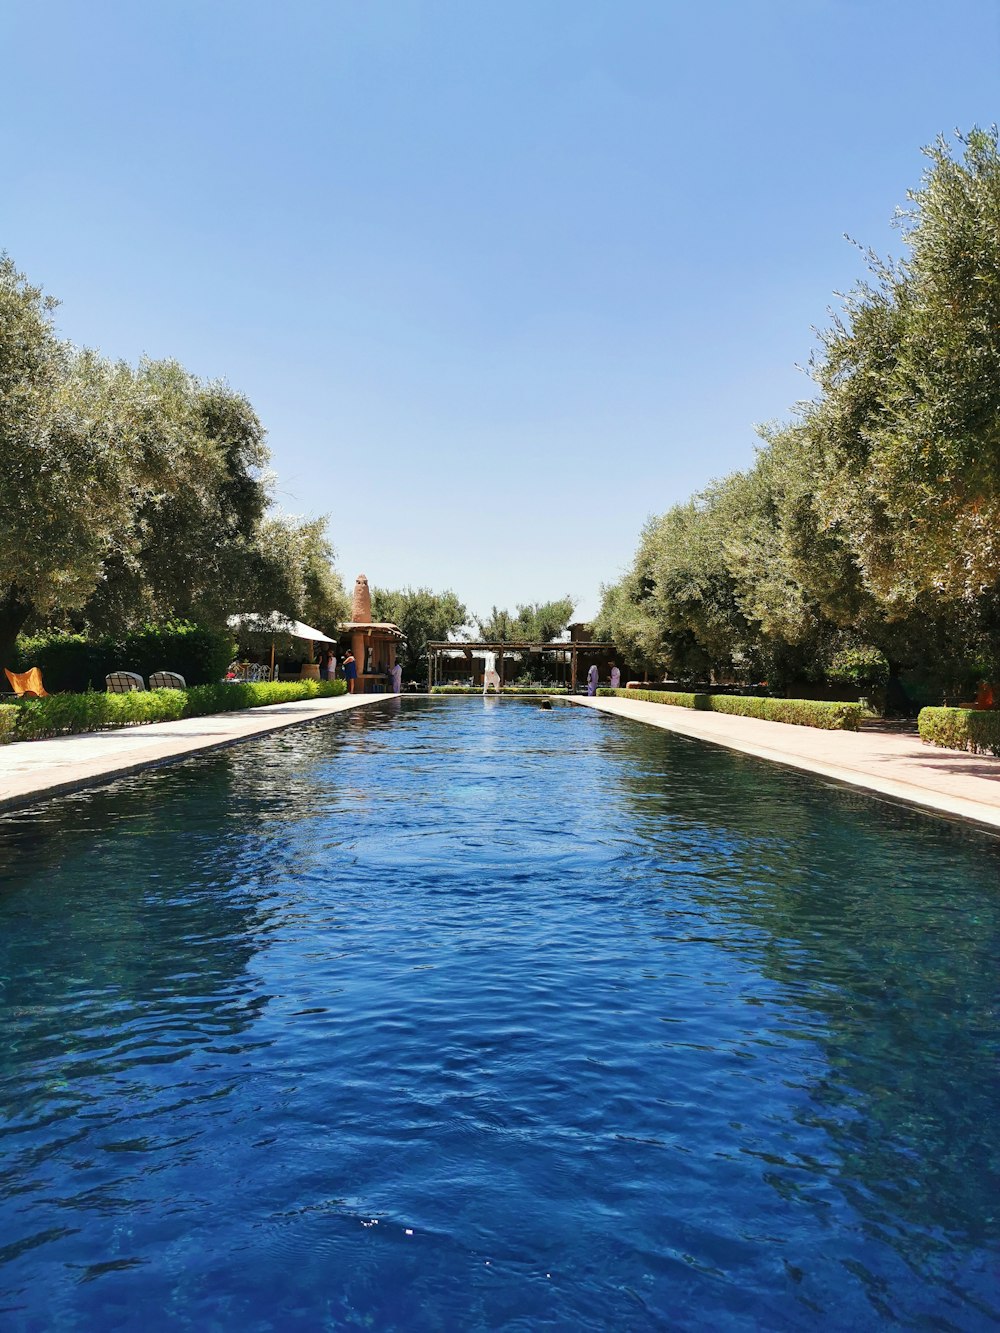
x,y
274,623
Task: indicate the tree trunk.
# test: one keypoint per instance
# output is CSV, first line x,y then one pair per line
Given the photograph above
x,y
14,611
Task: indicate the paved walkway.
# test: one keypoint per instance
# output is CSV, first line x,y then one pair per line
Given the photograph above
x,y
903,767
31,770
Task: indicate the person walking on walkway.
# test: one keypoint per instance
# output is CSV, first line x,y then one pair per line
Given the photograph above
x,y
592,680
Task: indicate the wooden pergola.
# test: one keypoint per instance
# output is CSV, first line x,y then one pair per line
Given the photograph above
x,y
438,647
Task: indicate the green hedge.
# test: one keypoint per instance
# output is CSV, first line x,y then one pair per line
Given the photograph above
x,y
68,714
507,689
800,712
972,729
8,721
72,662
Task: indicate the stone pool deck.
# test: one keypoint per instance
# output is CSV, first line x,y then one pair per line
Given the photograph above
x,y
901,767
33,770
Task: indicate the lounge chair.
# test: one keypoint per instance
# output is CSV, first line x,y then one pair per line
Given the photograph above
x,y
27,684
167,680
124,682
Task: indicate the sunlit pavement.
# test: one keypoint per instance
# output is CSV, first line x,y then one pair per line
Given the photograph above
x,y
902,767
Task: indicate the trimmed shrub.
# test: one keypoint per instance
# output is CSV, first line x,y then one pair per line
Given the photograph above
x,y
70,714
799,712
680,700
8,721
232,696
67,714
973,729
507,689
72,662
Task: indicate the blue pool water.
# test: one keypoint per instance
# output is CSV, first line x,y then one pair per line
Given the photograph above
x,y
470,1015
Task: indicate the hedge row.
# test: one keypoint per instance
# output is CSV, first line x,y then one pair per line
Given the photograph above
x,y
72,662
972,729
68,714
8,721
507,689
799,712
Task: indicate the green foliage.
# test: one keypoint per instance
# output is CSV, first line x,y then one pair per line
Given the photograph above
x,y
533,622
67,442
422,615
231,696
859,666
799,712
874,518
976,730
8,721
73,662
136,494
910,412
679,698
67,714
294,568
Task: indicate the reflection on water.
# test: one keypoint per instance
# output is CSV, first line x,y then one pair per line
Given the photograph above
x,y
458,1014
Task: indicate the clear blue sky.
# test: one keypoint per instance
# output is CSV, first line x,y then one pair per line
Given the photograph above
x,y
514,275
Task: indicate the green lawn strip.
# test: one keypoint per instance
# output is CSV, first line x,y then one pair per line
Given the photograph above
x,y
974,729
799,712
72,714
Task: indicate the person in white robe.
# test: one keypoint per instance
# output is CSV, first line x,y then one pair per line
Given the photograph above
x,y
491,677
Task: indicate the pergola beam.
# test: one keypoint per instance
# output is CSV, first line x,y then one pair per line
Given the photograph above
x,y
436,648
515,646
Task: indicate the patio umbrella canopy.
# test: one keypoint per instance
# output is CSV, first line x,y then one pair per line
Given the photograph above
x,y
274,623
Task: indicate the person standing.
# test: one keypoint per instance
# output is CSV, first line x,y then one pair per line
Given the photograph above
x,y
350,672
397,678
616,676
324,662
491,677
592,679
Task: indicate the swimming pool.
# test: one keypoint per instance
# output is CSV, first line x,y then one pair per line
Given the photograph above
x,y
460,1014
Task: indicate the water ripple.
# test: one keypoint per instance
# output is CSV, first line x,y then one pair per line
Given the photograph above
x,y
477,1016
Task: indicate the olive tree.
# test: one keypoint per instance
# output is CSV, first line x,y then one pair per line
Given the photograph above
x,y
70,448
423,616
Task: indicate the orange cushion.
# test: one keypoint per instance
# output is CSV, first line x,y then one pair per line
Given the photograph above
x,y
27,682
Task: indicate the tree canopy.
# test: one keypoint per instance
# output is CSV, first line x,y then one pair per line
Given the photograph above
x,y
534,622
136,494
870,524
422,615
